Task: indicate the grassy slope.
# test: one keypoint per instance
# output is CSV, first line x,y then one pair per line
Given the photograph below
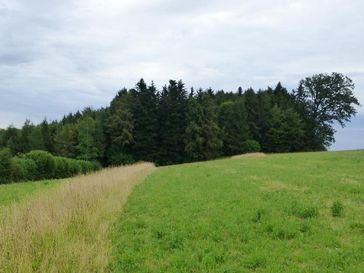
x,y
266,214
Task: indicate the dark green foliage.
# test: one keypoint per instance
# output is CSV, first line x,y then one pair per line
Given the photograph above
x,y
66,140
325,99
38,165
143,106
251,146
24,169
171,126
286,132
202,135
62,168
234,126
337,209
172,123
45,164
5,165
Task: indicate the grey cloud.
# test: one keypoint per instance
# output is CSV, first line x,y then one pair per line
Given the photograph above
x,y
60,56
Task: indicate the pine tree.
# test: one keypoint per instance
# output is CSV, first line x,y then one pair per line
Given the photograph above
x,y
143,106
286,133
234,125
119,131
202,135
172,123
66,140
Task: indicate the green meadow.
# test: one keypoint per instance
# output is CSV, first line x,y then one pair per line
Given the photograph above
x,y
15,192
299,212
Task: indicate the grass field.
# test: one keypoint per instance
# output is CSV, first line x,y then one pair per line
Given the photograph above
x,y
65,228
276,213
15,192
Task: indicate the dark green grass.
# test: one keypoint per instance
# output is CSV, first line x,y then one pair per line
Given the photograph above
x,y
266,214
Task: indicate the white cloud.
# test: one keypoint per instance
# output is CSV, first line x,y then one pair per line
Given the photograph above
x,y
60,56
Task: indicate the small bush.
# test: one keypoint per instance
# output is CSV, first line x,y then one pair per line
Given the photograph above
x,y
45,163
308,212
258,215
24,169
337,209
251,146
62,167
37,165
74,167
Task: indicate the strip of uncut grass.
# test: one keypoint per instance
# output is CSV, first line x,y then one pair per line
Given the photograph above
x,y
256,214
66,229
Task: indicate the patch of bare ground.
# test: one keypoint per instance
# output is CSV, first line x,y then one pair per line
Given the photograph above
x,y
248,155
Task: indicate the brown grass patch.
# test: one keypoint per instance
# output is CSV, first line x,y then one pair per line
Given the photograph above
x,y
66,229
249,155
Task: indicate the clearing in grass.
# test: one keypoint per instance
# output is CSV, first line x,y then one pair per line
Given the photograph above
x,y
278,213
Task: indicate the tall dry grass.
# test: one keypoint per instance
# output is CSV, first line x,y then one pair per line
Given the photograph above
x,y
66,229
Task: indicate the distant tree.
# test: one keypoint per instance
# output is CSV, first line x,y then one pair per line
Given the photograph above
x,y
26,133
47,136
202,135
119,131
66,140
281,97
143,103
326,99
252,110
120,127
263,120
36,141
2,136
12,139
234,126
286,133
172,123
87,148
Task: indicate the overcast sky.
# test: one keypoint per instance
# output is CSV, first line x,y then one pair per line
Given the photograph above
x,y
61,56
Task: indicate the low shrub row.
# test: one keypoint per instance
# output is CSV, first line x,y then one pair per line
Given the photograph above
x,y
37,165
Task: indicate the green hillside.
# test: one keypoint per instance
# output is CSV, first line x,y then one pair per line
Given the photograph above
x,y
277,213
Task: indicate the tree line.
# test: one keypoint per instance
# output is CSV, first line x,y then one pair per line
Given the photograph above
x,y
176,125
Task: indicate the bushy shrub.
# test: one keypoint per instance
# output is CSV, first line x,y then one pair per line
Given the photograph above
x,y
251,146
5,166
74,167
62,169
24,169
37,165
45,163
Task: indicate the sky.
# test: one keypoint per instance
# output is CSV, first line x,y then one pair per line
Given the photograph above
x,y
60,56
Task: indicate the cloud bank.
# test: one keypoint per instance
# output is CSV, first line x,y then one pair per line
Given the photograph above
x,y
60,56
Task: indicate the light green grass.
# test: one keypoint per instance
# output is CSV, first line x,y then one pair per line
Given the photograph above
x,y
18,191
264,214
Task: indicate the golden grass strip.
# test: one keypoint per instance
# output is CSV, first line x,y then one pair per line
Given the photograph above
x,y
66,229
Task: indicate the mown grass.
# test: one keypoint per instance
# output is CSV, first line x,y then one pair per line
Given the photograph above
x,y
66,228
276,213
16,192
